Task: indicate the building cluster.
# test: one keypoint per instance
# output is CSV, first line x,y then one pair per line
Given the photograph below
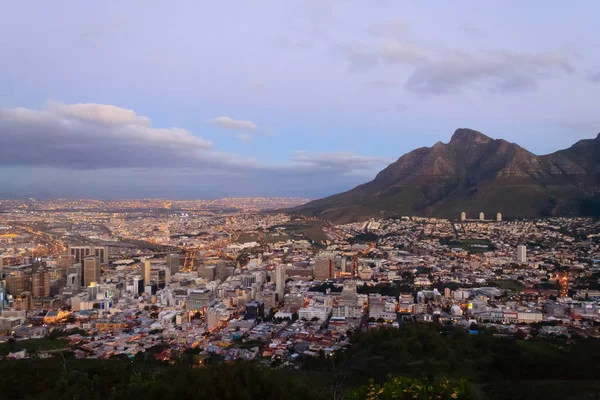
x,y
259,286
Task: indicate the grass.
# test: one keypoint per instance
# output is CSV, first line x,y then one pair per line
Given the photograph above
x,y
33,345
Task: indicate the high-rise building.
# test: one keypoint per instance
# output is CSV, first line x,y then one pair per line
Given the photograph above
x,y
146,271
40,283
521,253
481,216
81,252
323,269
173,263
74,276
280,281
91,270
18,282
349,294
101,253
64,261
255,309
499,217
463,216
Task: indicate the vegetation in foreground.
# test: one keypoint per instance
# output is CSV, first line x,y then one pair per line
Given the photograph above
x,y
428,361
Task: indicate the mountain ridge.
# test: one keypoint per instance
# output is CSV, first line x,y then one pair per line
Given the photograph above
x,y
474,172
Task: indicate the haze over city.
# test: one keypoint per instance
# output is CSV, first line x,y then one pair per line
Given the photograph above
x,y
295,98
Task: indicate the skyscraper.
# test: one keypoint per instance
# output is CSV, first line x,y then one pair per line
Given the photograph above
x,y
481,216
173,263
91,270
41,283
323,269
499,217
463,216
521,253
81,252
146,272
280,280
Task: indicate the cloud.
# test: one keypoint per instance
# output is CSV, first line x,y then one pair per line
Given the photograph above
x,y
95,136
359,57
341,161
595,77
504,71
230,123
104,150
402,53
449,70
244,137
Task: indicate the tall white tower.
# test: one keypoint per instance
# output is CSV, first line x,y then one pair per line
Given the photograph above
x,y
521,253
280,280
499,217
463,216
481,216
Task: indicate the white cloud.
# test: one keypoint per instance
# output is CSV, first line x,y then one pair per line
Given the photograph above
x,y
244,137
86,148
449,70
343,161
230,123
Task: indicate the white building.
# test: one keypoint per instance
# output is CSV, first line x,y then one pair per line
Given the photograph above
x,y
308,313
521,253
280,281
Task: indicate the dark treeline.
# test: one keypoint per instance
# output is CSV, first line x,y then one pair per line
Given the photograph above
x,y
497,367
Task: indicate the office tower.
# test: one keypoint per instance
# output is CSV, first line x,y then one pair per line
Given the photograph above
x,y
138,284
481,216
463,216
255,309
81,252
212,318
199,300
92,291
41,283
499,217
64,261
323,269
521,253
349,294
17,283
280,281
173,263
74,276
224,269
101,253
162,277
91,270
146,271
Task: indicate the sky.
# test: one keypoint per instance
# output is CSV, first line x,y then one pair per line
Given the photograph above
x,y
303,98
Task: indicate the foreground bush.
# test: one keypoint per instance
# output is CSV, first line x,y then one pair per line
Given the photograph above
x,y
400,388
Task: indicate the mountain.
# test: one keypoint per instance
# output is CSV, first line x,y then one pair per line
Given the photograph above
x,y
474,173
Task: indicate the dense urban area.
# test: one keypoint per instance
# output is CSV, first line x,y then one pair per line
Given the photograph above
x,y
209,283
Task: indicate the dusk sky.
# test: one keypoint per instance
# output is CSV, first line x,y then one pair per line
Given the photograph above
x,y
205,99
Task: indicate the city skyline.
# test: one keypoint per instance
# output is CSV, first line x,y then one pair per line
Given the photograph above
x,y
303,99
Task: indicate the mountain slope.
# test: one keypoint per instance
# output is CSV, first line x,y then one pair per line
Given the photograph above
x,y
473,173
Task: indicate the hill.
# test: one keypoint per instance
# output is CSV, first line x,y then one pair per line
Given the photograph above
x,y
473,173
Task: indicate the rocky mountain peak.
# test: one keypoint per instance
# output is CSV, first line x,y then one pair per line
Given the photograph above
x,y
468,136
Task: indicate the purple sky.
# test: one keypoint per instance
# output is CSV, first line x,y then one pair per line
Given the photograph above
x,y
302,98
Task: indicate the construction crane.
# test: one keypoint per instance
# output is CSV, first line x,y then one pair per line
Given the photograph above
x,y
359,254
